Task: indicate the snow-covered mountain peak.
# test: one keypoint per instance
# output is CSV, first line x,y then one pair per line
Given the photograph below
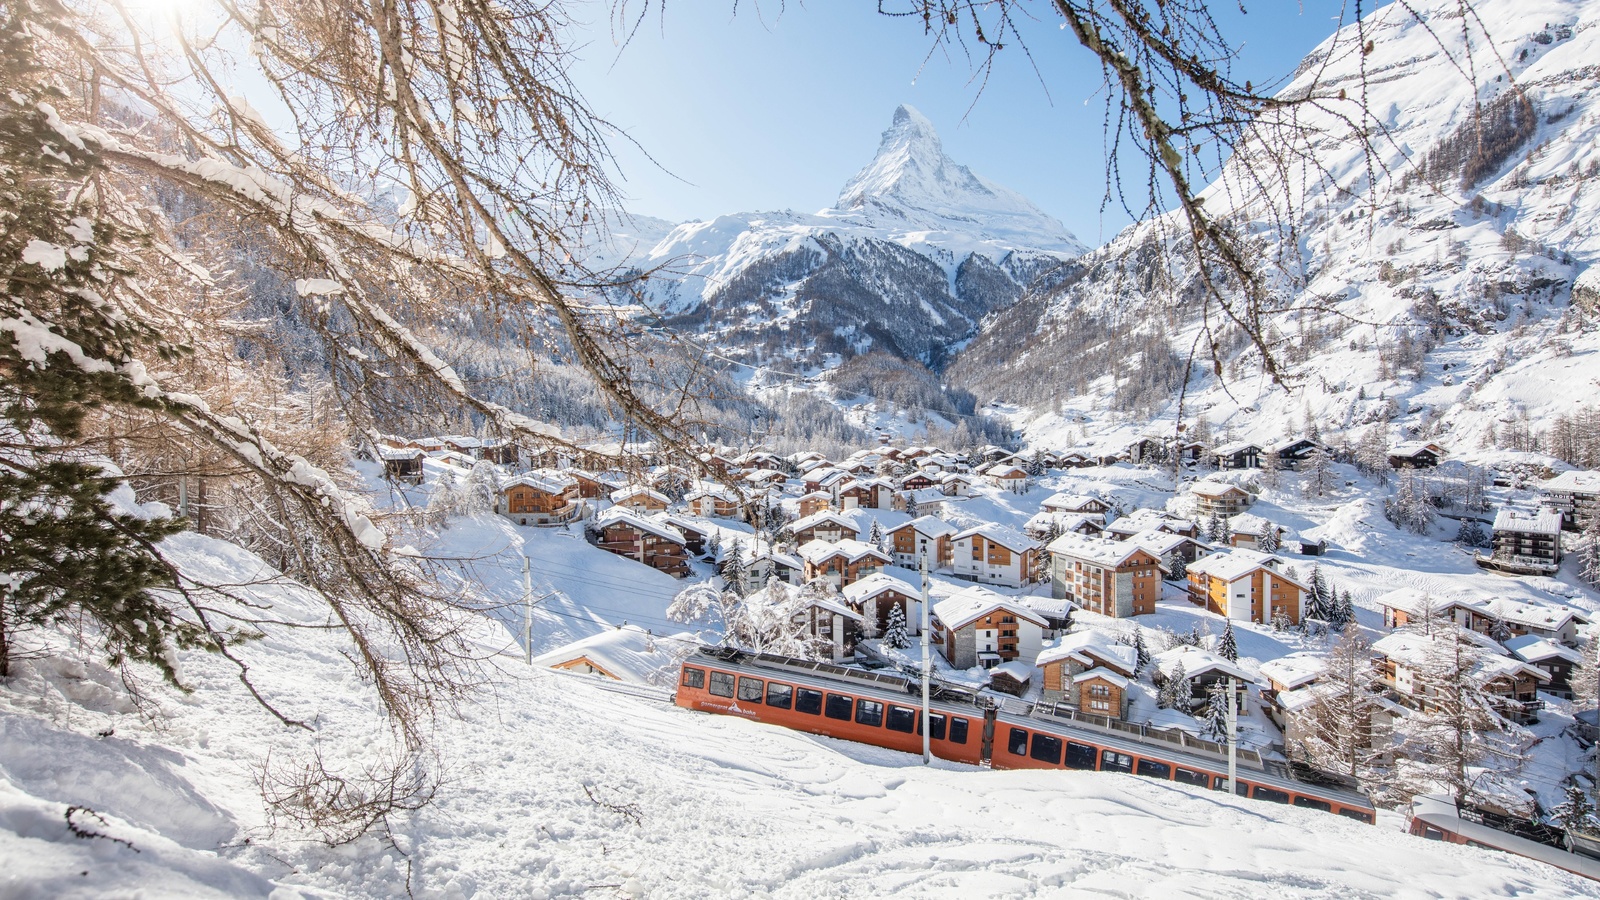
x,y
912,186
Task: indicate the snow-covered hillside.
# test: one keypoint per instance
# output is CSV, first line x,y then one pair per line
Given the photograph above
x,y
915,251
556,787
1439,299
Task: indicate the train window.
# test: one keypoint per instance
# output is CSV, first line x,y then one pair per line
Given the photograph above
x,y
958,731
1018,742
694,678
1112,761
1149,768
869,712
1312,803
721,684
750,689
901,719
1190,776
839,707
1081,756
808,701
779,695
1262,792
935,726
1432,833
1046,749
1360,815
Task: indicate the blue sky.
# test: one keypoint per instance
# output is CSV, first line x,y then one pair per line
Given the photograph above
x,y
776,106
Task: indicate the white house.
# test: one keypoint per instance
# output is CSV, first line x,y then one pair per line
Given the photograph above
x,y
994,554
979,627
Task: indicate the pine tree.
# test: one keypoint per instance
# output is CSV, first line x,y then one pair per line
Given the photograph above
x,y
67,552
895,635
1270,467
1576,812
1409,507
1344,612
1215,715
1141,652
1268,541
876,537
1586,676
1470,534
1179,570
1228,647
1174,692
1321,601
1589,553
1216,529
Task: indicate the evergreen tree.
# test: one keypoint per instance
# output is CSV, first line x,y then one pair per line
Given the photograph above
x,y
1179,570
732,566
1344,612
1470,534
876,537
1372,455
1141,652
68,553
1270,467
1589,553
1321,600
1215,715
1576,812
1174,690
1409,507
1268,542
895,635
1228,647
1216,529
1586,676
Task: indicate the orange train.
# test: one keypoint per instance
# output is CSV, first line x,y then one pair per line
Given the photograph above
x,y
880,709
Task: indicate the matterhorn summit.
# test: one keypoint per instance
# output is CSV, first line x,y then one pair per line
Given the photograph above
x,y
912,186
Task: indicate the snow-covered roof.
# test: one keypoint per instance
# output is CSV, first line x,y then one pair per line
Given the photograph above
x,y
540,480
1101,674
823,517
1158,542
928,526
1530,615
1016,670
822,601
1090,647
621,494
1576,481
1232,565
1412,601
400,453
1198,661
1100,551
1543,521
1245,523
924,496
871,586
1412,650
1412,448
819,551
965,607
1053,607
1214,489
1531,648
999,534
1235,447
1073,502
621,515
956,478
714,491
1294,670
1005,470
628,653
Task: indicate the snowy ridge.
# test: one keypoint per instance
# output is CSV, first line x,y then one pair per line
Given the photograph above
x,y
1486,261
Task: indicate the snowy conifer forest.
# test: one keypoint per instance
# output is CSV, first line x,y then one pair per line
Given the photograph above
x,y
386,510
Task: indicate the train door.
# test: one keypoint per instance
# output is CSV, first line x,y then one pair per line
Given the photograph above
x,y
988,735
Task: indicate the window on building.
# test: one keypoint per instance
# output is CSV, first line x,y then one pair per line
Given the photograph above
x,y
977,550
780,696
750,689
1100,706
694,678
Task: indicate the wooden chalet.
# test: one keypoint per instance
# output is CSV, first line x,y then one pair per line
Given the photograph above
x,y
824,526
1220,499
1080,652
1554,658
815,502
640,499
1524,543
1246,585
1075,503
713,502
592,486
841,563
1415,455
917,481
876,595
994,554
654,543
1200,669
1011,677
538,498
907,540
1295,451
1576,495
1237,455
1514,685
402,463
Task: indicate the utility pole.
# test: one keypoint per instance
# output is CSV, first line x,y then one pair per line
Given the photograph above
x,y
927,665
527,610
1233,735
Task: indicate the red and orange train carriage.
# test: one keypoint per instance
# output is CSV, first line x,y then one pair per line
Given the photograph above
x,y
879,708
